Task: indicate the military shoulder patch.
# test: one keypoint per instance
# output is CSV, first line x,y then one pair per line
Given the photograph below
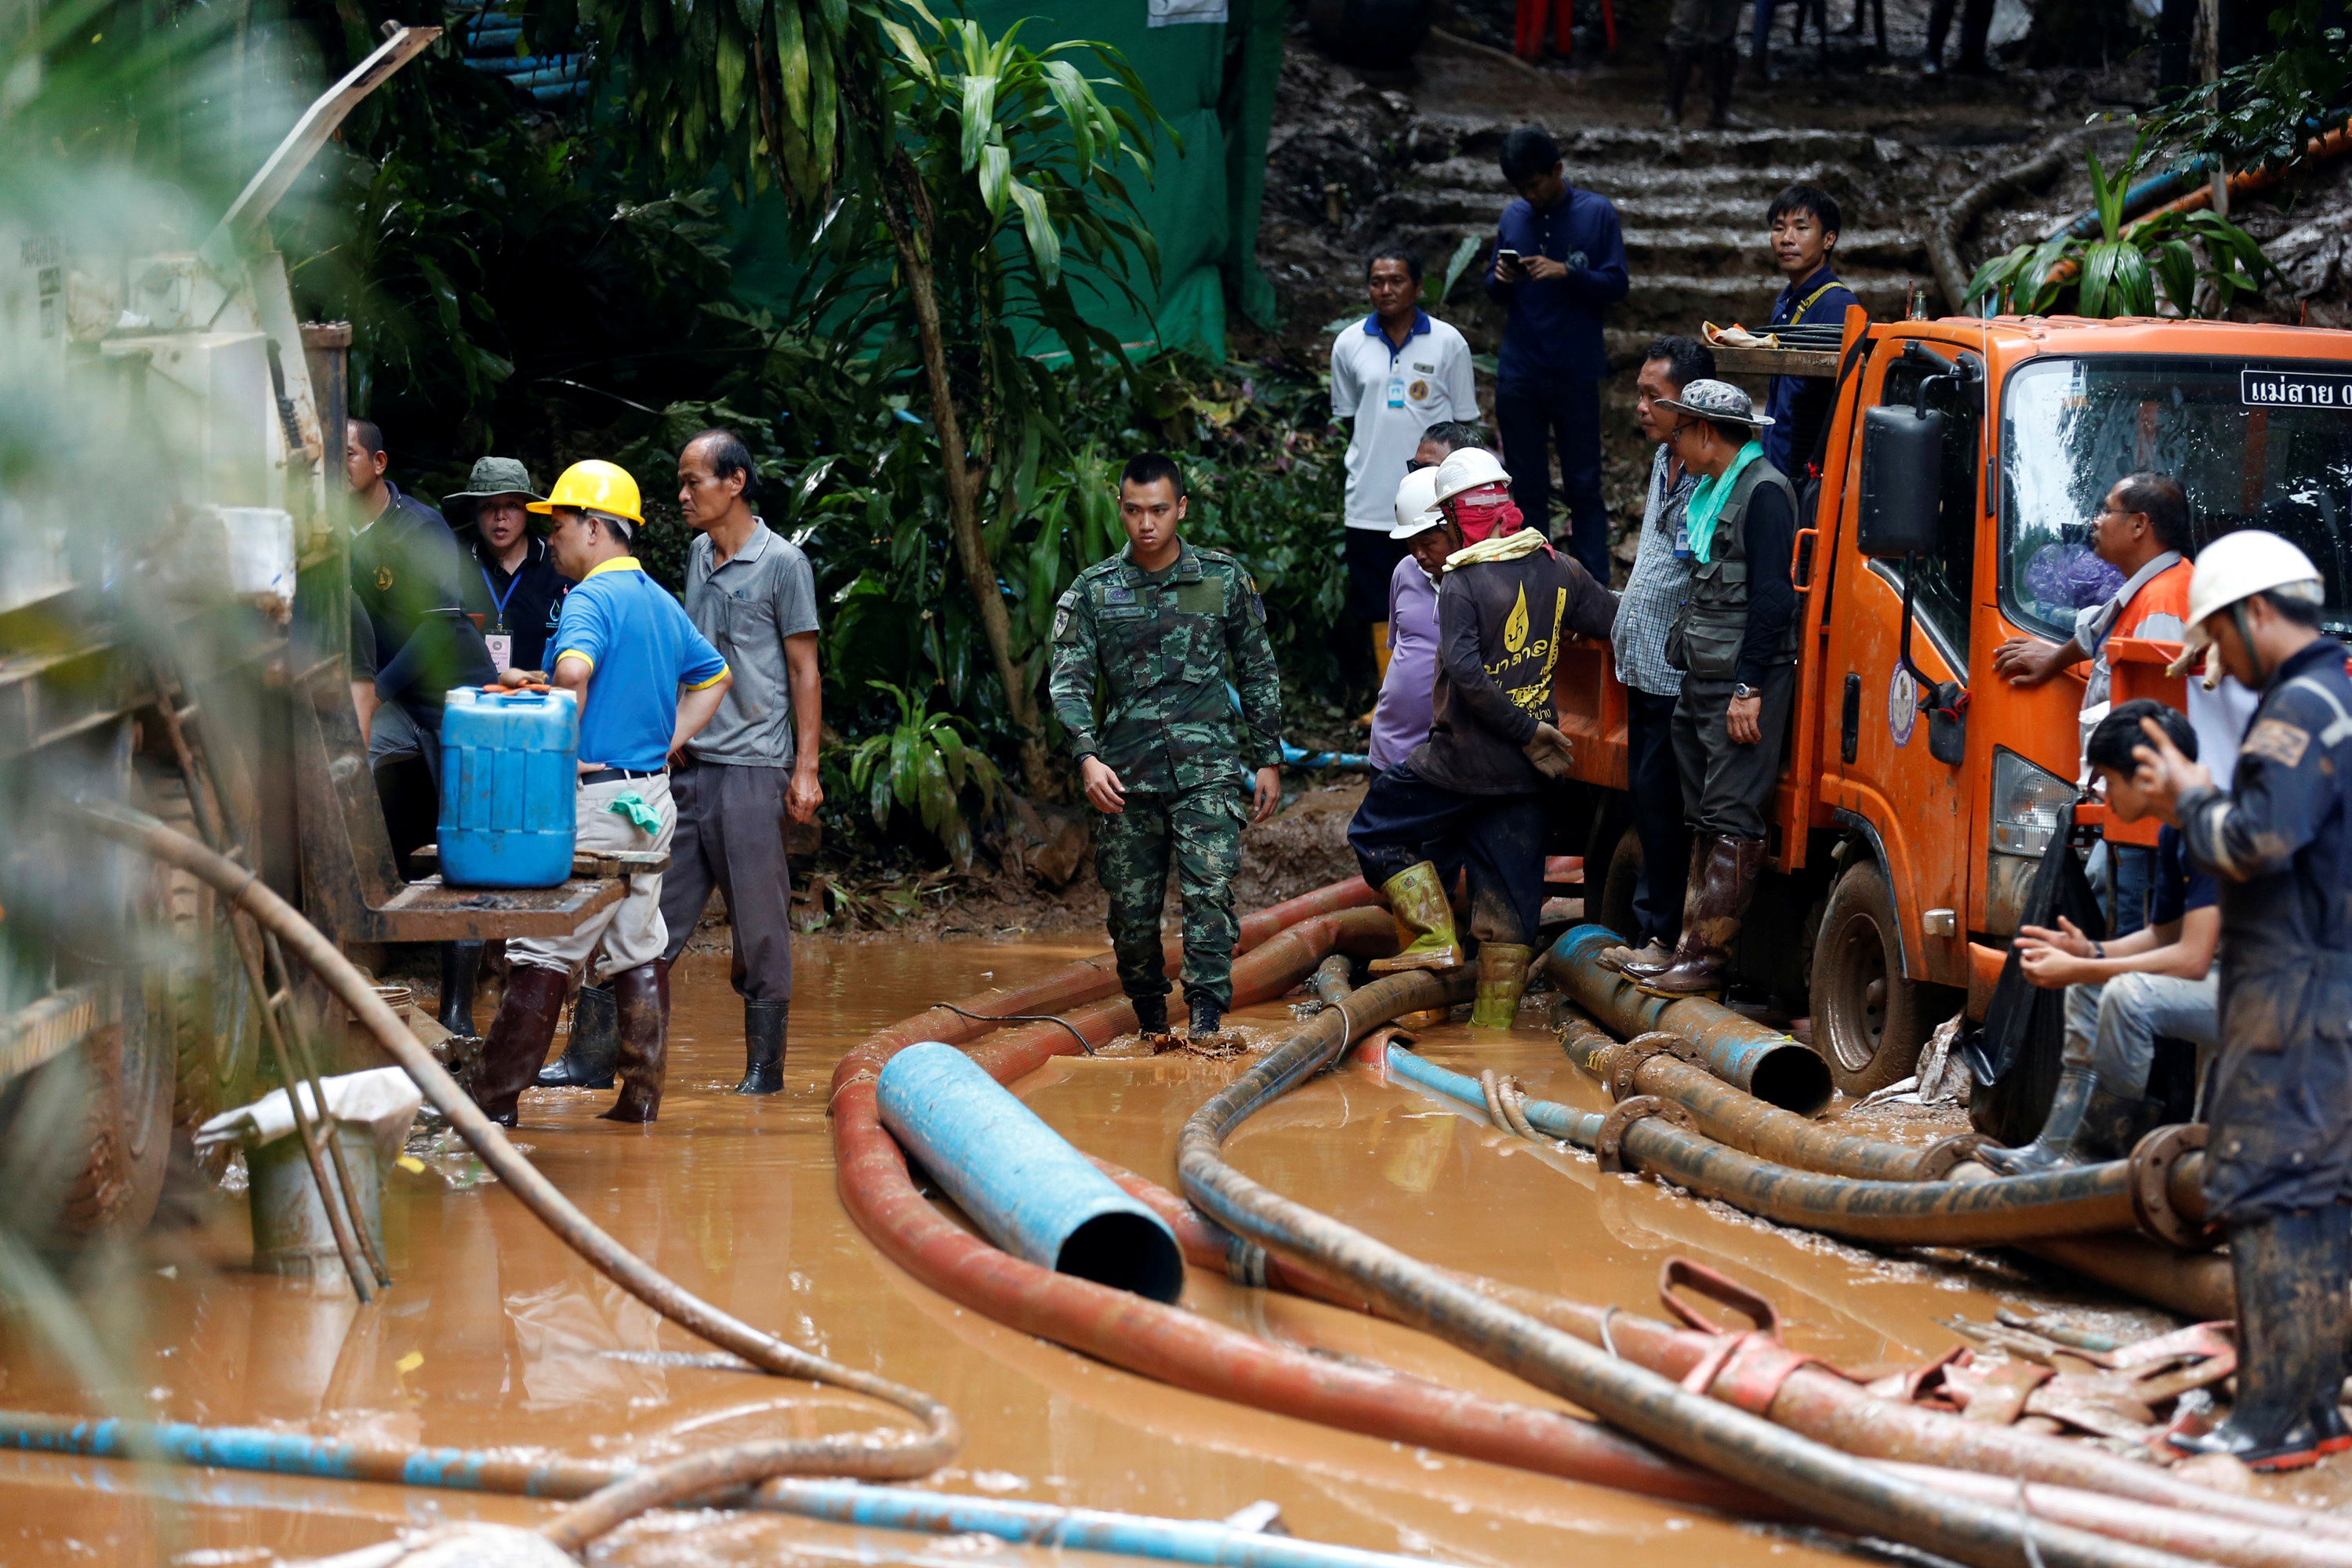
x,y
2279,741
1066,616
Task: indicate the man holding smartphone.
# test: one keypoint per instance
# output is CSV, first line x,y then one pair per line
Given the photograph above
x,y
1559,264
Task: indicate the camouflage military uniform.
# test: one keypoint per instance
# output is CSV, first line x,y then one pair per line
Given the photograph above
x,y
1160,647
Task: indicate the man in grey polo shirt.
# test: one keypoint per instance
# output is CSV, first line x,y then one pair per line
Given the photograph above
x,y
753,768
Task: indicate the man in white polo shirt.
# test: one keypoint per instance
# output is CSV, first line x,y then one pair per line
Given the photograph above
x,y
1394,373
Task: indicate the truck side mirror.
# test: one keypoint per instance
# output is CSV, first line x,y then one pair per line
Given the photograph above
x,y
1901,475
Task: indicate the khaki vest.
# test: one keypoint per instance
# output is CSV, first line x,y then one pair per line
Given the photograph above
x,y
1717,624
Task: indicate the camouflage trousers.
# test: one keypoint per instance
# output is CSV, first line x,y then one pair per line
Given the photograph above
x,y
1200,830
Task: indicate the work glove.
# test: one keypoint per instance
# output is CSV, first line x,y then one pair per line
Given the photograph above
x,y
1550,751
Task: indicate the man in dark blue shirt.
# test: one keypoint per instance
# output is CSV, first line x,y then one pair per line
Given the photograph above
x,y
1559,265
1804,223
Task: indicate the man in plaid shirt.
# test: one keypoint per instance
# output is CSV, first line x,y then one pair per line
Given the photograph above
x,y
1660,579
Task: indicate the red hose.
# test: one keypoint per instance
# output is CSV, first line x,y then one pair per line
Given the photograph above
x,y
1177,1347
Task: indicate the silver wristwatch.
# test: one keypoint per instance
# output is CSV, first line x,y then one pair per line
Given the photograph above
x,y
1743,691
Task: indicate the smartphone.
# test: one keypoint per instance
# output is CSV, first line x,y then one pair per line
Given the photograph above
x,y
1505,254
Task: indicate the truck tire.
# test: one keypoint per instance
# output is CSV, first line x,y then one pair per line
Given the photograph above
x,y
127,1110
1869,1021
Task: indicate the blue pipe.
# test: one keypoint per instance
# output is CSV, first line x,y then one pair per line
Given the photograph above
x,y
2152,192
845,1502
1029,1190
1292,756
1581,1128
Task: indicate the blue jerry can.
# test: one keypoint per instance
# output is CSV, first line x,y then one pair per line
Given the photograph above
x,y
509,771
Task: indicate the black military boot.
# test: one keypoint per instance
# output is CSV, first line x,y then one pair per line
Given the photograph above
x,y
593,1047
461,970
1150,1013
763,1046
1207,1018
2289,1270
2054,1145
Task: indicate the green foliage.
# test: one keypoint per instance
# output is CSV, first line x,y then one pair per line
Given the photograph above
x,y
923,763
2118,273
2267,110
1434,291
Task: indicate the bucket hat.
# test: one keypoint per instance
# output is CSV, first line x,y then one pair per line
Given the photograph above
x,y
491,476
1717,400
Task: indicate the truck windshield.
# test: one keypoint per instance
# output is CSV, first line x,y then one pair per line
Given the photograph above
x,y
2256,444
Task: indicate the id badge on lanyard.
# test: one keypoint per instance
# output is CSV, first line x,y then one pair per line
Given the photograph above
x,y
501,646
498,639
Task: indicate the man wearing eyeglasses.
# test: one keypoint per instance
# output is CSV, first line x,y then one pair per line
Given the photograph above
x,y
2141,529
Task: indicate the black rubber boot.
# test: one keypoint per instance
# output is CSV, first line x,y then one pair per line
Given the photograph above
x,y
2290,1270
2054,1145
1678,75
1150,1013
590,1050
1207,1018
763,1046
461,970
1722,67
519,1039
2112,1126
644,1055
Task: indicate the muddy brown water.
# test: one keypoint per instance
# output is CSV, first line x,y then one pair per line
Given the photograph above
x,y
494,1336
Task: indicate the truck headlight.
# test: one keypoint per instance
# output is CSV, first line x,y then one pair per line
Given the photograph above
x,y
2026,801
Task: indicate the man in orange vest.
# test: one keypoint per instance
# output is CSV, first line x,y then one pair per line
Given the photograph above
x,y
2141,529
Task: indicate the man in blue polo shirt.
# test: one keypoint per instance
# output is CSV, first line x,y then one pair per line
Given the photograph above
x,y
1559,265
646,682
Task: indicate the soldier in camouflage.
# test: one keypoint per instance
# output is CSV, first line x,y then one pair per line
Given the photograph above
x,y
1161,627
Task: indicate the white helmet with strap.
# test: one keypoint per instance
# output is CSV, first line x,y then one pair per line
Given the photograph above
x,y
1416,504
2234,568
1470,469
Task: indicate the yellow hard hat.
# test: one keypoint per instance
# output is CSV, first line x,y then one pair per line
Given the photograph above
x,y
595,486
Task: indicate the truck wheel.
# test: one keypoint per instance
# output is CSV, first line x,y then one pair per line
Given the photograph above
x,y
1610,897
126,1136
1869,1021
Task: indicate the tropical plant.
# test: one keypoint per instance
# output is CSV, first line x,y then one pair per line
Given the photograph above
x,y
923,764
2268,109
2117,274
978,162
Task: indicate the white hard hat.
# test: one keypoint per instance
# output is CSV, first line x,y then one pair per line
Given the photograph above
x,y
1470,469
1416,504
2234,567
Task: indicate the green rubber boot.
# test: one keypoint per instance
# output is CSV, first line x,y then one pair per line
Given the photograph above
x,y
1502,977
1424,920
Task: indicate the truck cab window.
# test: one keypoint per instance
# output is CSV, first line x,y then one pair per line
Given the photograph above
x,y
1946,578
2255,446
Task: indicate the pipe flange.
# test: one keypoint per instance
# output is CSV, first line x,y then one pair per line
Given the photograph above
x,y
2152,1162
1936,1160
1624,1063
1608,1147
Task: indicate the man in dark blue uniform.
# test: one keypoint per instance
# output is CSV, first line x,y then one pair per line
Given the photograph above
x,y
2278,1155
1804,224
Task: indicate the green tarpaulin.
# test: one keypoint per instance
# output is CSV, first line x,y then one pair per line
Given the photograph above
x,y
1214,83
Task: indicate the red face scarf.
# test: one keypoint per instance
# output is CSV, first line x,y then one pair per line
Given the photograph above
x,y
1484,512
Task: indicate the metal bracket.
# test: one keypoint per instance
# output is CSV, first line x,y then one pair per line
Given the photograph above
x,y
1608,1147
2152,1163
1623,1062
1936,1160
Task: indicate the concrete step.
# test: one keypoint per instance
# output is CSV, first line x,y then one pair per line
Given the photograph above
x,y
1735,250
1661,147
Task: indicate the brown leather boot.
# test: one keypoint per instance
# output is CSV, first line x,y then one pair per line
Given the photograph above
x,y
1711,919
520,1036
645,1042
1640,970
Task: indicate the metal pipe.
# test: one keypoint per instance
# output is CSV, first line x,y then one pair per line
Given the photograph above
x,y
878,1455
1020,1180
847,1503
1829,1485
1765,1062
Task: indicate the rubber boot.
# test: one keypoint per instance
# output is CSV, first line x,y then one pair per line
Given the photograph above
x,y
1207,1018
1678,74
1722,67
1425,921
1150,1013
520,1036
2112,1126
594,1042
764,1046
461,971
1711,919
1652,957
1641,969
2289,1270
1502,977
2054,1145
645,1044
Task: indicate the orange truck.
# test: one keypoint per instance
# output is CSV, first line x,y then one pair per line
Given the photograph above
x,y
1917,790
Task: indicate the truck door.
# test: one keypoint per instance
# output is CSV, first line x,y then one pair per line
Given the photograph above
x,y
1879,775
